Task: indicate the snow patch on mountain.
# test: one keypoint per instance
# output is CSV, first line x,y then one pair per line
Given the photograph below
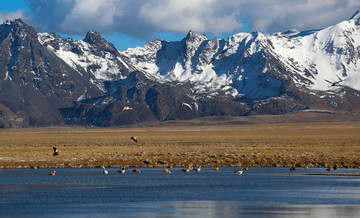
x,y
103,68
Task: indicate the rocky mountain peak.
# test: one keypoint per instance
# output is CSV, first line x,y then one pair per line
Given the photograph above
x,y
194,35
92,37
356,17
17,28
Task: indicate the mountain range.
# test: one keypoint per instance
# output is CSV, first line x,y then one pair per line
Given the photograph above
x,y
48,80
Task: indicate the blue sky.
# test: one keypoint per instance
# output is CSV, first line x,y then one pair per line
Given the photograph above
x,y
130,23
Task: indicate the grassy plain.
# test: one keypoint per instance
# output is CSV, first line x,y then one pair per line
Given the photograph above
x,y
279,144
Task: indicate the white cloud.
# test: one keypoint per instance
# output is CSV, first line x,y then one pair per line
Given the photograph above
x,y
180,16
11,15
143,19
92,14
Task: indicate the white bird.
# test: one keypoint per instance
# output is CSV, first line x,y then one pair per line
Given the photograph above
x,y
186,105
186,170
122,171
239,172
198,169
218,57
105,171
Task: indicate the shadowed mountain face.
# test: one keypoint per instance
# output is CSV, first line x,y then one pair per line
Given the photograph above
x,y
49,80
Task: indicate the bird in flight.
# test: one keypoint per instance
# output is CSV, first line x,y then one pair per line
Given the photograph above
x,y
56,151
218,57
186,105
336,83
126,108
133,138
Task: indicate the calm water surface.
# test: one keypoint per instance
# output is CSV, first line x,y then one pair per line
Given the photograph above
x,y
259,192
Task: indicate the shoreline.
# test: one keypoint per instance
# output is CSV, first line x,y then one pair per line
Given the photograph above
x,y
321,144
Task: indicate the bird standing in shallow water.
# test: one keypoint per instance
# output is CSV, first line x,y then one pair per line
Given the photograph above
x,y
105,171
122,171
239,172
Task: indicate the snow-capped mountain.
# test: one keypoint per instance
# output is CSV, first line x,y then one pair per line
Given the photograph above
x,y
308,58
46,79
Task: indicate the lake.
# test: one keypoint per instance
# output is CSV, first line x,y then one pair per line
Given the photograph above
x,y
258,192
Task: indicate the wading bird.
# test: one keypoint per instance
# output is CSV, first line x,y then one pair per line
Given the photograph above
x,y
239,172
105,171
186,105
122,171
218,57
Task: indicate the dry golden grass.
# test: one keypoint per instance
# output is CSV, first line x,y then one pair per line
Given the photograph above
x,y
312,144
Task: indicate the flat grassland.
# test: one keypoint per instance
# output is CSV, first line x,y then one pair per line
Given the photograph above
x,y
285,144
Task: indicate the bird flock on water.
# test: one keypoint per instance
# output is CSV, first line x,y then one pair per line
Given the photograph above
x,y
187,169
147,161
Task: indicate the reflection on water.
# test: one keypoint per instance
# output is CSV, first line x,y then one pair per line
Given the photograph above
x,y
270,192
233,209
